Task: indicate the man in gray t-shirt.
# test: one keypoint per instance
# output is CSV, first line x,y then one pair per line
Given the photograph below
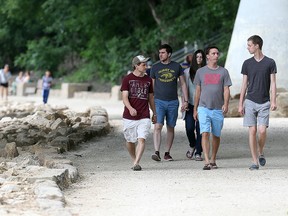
x,y
259,78
212,82
211,102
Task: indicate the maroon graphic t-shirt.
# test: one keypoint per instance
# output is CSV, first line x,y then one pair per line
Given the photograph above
x,y
139,89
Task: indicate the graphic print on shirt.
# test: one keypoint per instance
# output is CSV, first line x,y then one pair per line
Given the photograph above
x,y
139,89
211,79
166,75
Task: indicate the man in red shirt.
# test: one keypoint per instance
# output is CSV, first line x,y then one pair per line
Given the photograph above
x,y
137,94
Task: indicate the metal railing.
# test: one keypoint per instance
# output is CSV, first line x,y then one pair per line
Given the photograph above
x,y
180,55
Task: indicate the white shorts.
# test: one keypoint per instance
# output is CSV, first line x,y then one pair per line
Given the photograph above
x,y
135,129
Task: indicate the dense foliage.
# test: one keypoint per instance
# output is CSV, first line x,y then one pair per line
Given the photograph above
x,y
96,39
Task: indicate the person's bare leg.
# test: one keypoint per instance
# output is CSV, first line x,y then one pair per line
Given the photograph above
x,y
206,146
2,92
170,138
253,143
131,149
261,138
139,150
157,136
215,147
5,93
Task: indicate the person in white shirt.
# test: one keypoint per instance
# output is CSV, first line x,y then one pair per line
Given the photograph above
x,y
5,76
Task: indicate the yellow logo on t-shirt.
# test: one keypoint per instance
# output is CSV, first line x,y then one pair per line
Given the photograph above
x,y
167,75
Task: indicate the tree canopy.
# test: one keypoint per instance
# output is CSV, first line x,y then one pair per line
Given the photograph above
x,y
96,39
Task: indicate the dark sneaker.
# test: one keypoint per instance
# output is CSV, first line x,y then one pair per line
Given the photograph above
x,y
262,160
168,157
198,157
190,153
136,167
207,167
254,167
156,156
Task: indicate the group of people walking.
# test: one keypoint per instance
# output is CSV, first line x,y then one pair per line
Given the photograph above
x,y
6,76
204,102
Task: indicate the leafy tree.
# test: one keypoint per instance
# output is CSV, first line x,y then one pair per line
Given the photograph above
x,y
96,39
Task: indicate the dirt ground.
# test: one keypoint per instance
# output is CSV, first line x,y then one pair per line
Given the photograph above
x,y
109,187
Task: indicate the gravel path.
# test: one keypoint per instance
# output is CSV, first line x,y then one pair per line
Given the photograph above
x,y
109,187
181,187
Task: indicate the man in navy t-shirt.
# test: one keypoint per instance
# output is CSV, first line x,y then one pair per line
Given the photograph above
x,y
165,75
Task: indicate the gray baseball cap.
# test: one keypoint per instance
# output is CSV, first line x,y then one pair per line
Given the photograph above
x,y
139,59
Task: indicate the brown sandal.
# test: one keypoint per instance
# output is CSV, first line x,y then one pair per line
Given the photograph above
x,y
213,165
207,167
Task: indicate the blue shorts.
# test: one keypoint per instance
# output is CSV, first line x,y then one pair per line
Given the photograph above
x,y
168,109
210,118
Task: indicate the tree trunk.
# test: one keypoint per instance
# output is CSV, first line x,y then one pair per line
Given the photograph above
x,y
152,5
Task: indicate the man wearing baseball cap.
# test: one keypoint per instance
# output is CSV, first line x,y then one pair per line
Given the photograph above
x,y
137,95
139,59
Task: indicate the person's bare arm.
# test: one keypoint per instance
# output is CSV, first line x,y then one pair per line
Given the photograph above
x,y
126,102
184,93
273,91
226,99
196,101
242,94
152,107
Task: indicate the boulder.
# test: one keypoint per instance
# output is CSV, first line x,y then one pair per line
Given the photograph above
x,y
10,150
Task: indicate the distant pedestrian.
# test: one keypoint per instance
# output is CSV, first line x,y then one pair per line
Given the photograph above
x,y
211,103
5,76
165,75
188,61
192,126
137,94
259,77
148,69
18,79
46,85
27,77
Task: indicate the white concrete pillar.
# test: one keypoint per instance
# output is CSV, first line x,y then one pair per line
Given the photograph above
x,y
269,20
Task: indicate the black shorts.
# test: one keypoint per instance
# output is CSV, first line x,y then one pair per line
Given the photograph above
x,y
4,84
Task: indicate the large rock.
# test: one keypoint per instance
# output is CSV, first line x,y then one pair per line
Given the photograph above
x,y
282,105
233,108
61,142
10,151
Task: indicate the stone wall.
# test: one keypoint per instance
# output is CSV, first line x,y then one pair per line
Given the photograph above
x,y
33,167
24,89
26,125
68,89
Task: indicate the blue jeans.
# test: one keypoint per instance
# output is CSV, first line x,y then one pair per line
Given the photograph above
x,y
190,126
45,95
167,110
